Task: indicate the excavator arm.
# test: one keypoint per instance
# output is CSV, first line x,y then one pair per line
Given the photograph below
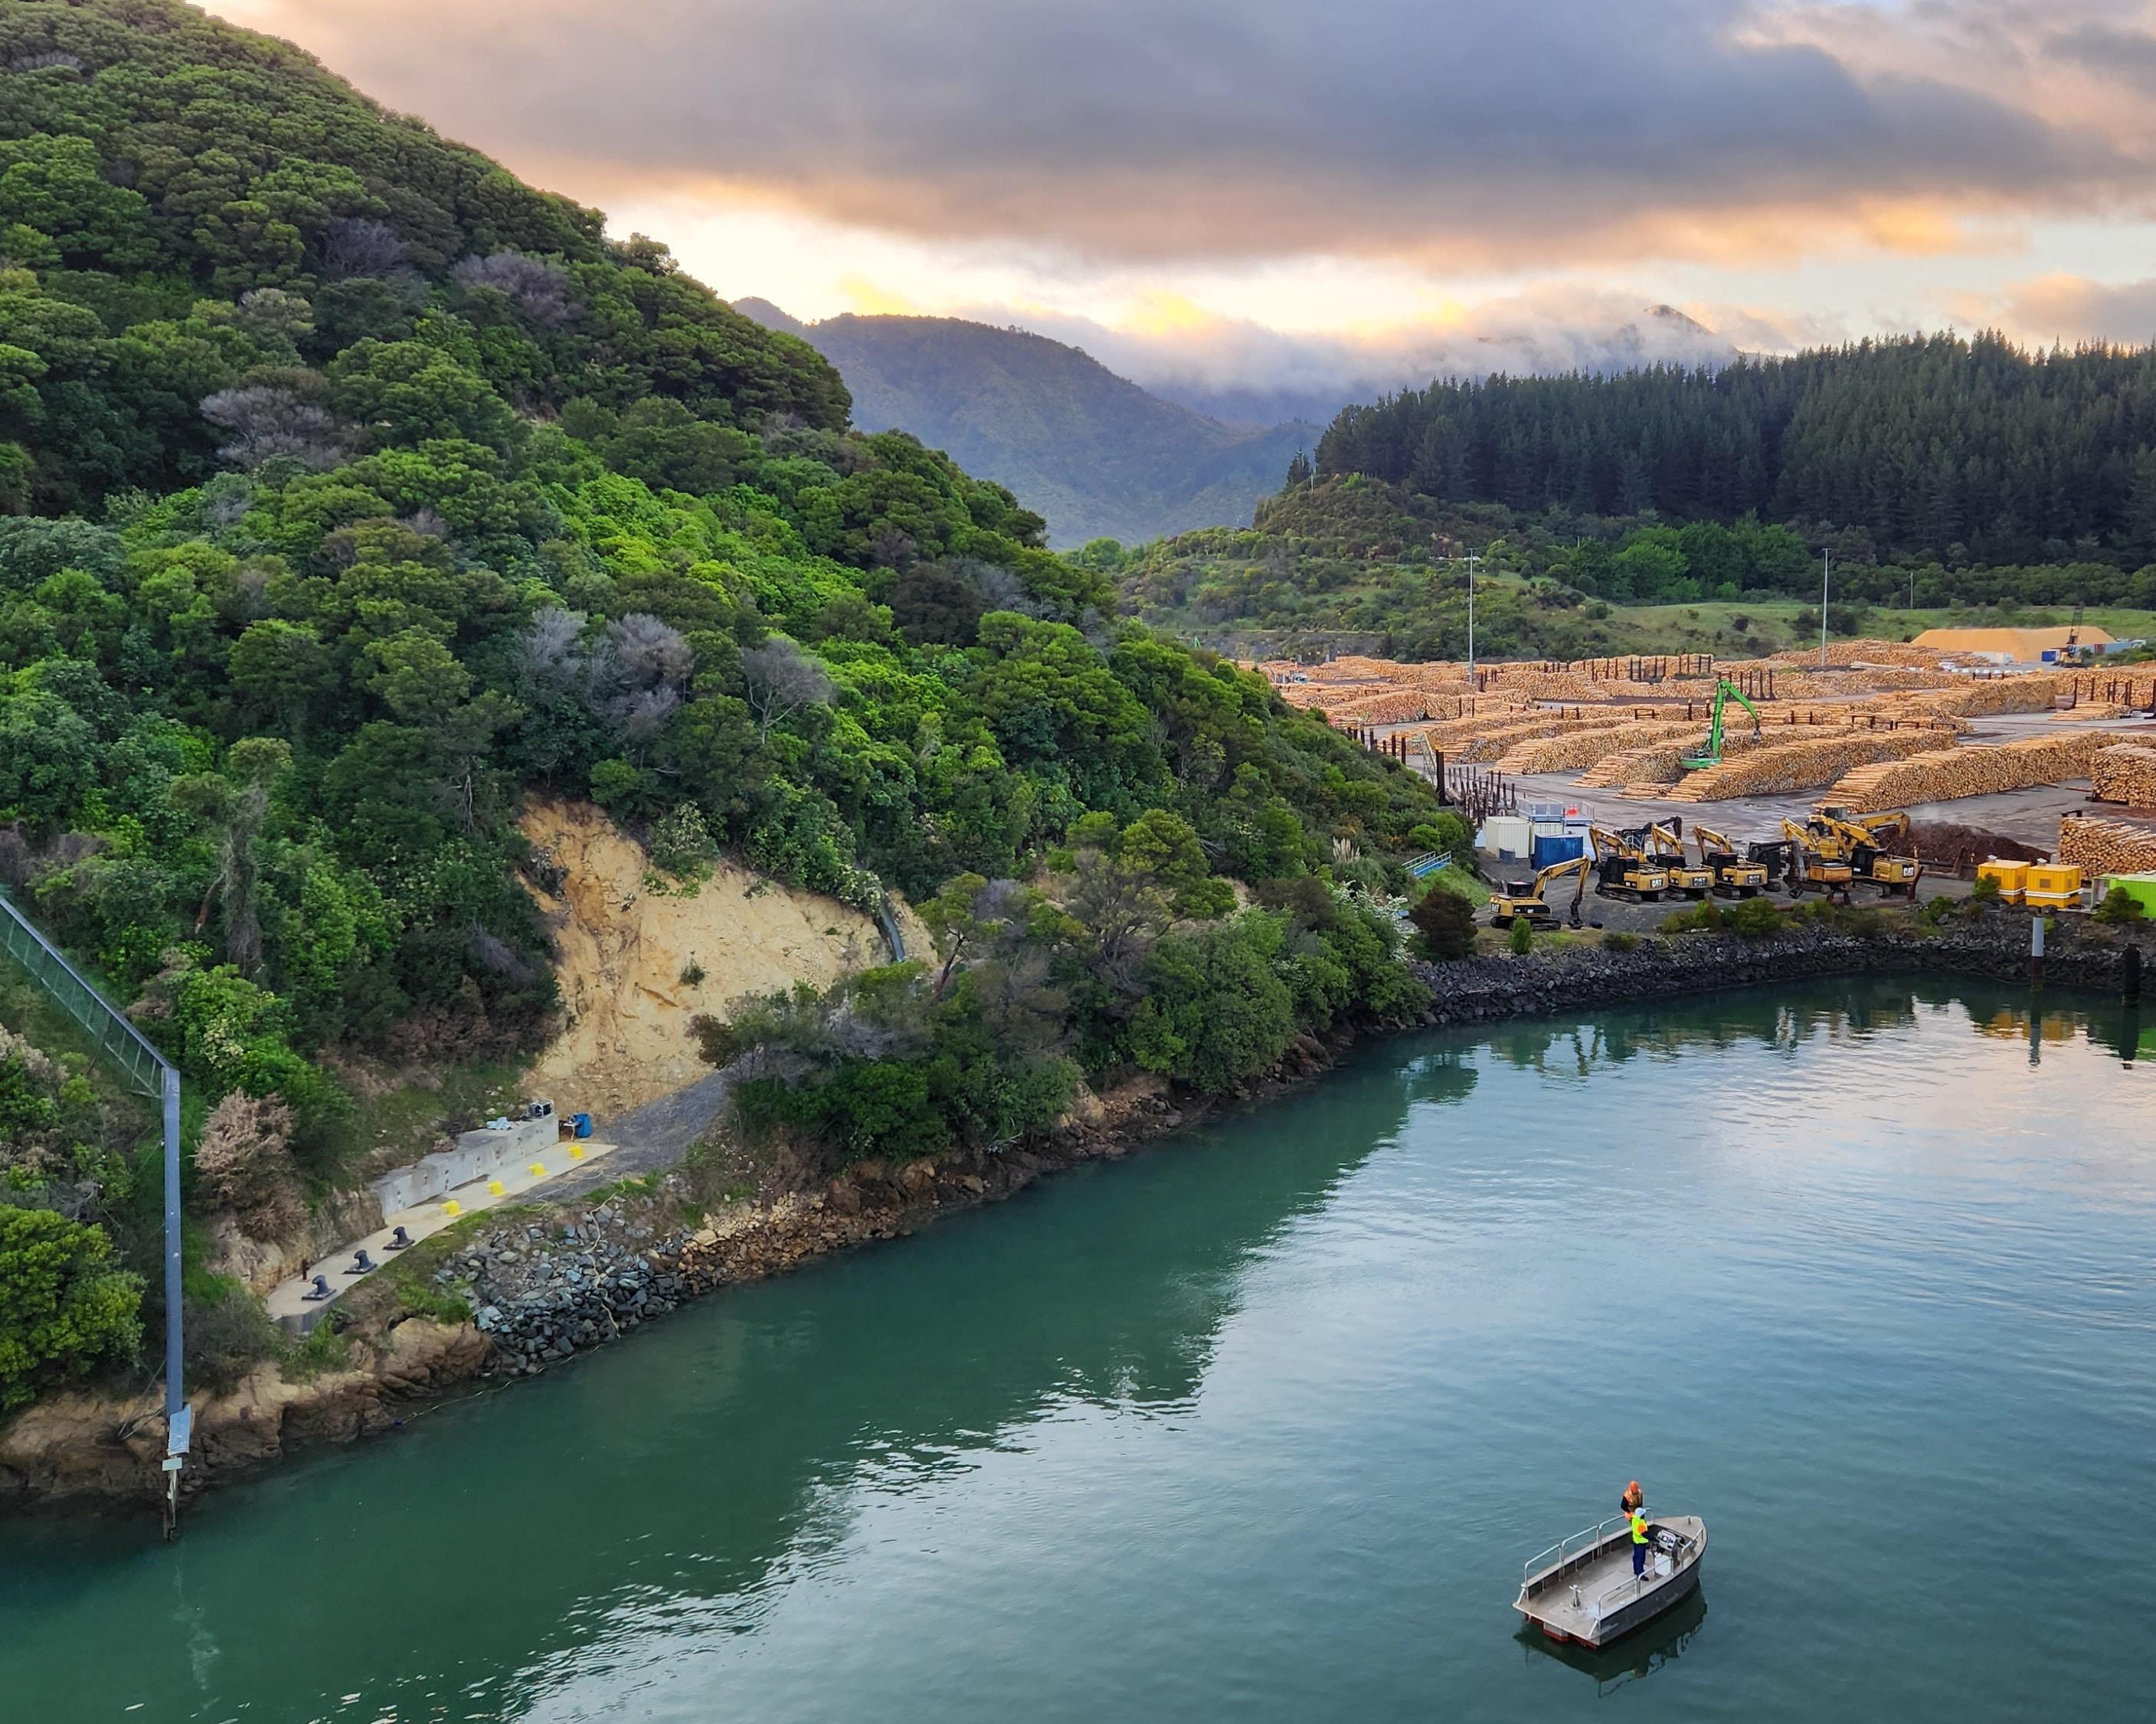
x,y
1529,901
1624,867
1862,841
1732,691
1724,691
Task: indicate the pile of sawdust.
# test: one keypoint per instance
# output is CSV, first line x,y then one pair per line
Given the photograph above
x,y
624,950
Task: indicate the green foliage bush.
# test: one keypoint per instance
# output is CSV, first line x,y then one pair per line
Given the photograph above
x,y
1704,917
2119,907
64,1306
1035,990
1446,922
1754,918
1520,940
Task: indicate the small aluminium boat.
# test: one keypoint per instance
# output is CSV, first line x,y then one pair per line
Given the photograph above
x,y
1582,1588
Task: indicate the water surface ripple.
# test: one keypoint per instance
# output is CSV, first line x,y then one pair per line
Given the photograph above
x,y
1259,1424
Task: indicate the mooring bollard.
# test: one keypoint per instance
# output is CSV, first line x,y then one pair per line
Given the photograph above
x,y
2036,952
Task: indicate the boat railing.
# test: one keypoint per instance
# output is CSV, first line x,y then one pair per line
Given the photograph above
x,y
1637,1584
1576,1544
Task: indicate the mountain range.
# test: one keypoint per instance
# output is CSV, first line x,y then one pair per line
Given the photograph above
x,y
1097,455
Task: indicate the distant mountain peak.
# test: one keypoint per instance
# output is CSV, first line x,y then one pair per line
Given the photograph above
x,y
762,312
1098,455
1666,313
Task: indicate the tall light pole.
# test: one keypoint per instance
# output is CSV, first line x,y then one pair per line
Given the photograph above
x,y
1826,562
1473,558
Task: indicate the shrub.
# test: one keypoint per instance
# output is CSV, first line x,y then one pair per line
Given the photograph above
x,y
244,1163
1445,834
1619,941
1445,920
1522,939
228,1333
1216,1012
1985,891
1704,917
681,843
2119,906
1754,918
63,1305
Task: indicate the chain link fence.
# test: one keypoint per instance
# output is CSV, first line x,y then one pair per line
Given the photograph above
x,y
120,1042
155,1077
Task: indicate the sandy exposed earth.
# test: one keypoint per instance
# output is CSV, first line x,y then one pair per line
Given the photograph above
x,y
624,948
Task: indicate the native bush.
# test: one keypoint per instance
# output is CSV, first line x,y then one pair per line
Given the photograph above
x,y
65,1306
1446,921
2119,907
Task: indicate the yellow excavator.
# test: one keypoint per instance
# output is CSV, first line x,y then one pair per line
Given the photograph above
x,y
1624,869
1665,842
1863,839
1528,902
1733,876
1815,863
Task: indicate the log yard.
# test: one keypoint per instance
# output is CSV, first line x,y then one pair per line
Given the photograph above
x,y
2039,763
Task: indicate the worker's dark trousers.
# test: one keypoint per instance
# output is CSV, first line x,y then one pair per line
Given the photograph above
x,y
1639,1559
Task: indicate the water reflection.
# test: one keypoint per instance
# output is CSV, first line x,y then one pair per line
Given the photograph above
x,y
560,1553
680,1476
1631,1659
1558,1047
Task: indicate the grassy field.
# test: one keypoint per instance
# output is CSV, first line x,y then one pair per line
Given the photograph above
x,y
1770,625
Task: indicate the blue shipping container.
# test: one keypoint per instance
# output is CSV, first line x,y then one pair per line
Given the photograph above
x,y
1558,847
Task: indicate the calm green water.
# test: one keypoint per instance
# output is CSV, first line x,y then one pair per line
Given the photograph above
x,y
1259,1424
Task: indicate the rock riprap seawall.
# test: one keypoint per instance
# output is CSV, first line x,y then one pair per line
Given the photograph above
x,y
543,1286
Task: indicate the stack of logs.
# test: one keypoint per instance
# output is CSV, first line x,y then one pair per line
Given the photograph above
x,y
2126,772
1785,767
1947,774
2108,846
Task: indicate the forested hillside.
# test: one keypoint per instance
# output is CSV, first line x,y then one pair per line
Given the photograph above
x,y
1095,453
357,489
1933,447
1353,564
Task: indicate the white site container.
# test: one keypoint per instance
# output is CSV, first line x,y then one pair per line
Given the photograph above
x,y
1509,837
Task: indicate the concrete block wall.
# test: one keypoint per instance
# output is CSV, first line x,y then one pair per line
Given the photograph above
x,y
476,1155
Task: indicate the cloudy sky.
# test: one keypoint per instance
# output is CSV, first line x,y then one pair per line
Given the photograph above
x,y
1272,192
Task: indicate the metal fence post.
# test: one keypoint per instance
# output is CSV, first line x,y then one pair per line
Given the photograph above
x,y
150,1074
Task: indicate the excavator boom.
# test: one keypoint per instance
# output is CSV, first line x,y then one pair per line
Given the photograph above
x,y
1862,841
1623,867
1818,861
1733,877
1724,691
1529,901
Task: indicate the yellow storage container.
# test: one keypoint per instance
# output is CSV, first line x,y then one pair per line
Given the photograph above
x,y
2052,886
2013,878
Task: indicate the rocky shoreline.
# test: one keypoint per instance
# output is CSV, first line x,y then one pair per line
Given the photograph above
x,y
542,1290
2080,957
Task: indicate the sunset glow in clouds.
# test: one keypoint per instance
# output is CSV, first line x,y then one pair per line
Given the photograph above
x,y
1391,179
